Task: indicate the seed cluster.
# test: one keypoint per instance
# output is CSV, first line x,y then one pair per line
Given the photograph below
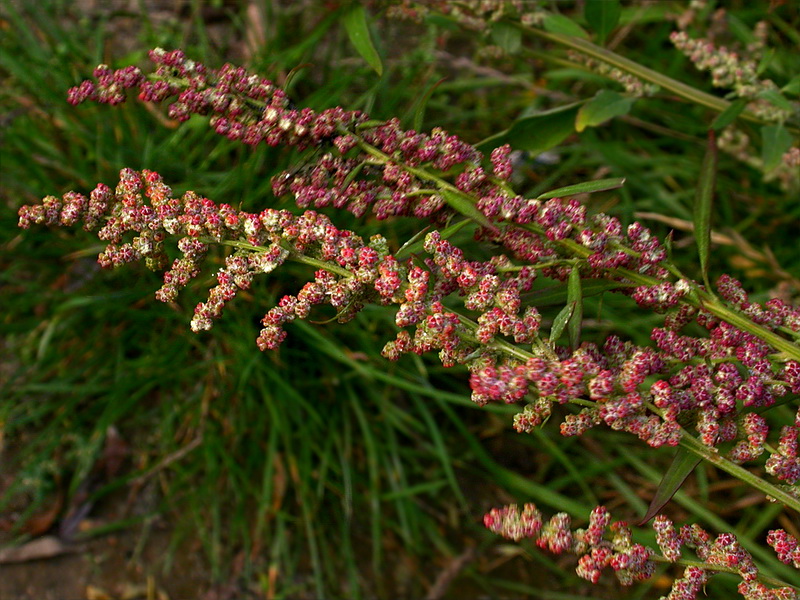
x,y
387,170
604,543
474,313
700,382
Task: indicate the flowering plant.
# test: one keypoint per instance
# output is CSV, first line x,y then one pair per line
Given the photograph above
x,y
718,362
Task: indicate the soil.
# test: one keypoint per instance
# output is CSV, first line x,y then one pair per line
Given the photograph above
x,y
104,569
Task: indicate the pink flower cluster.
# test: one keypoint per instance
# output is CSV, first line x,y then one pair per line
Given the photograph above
x,y
705,381
610,382
604,544
786,547
534,231
243,106
699,381
381,167
717,383
630,562
731,70
389,189
353,273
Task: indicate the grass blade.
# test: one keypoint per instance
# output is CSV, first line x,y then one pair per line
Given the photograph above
x,y
355,22
589,187
602,16
682,465
704,198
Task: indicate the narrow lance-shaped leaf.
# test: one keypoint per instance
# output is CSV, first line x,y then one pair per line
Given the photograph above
x,y
775,98
561,320
703,200
422,103
355,22
602,16
536,132
556,23
575,297
728,116
682,465
556,295
793,87
588,187
508,37
775,142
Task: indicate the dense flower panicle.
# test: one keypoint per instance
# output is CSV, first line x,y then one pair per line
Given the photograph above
x,y
615,376
731,70
784,463
688,587
609,544
603,544
375,166
242,105
612,376
713,384
634,86
513,523
786,547
667,538
142,206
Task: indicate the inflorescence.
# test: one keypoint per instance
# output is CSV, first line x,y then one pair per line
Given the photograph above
x,y
606,544
474,313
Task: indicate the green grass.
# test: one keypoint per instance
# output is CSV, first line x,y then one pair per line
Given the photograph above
x,y
343,474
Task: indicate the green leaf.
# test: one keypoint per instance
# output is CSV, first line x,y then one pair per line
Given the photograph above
x,y
793,87
703,200
536,132
728,116
588,187
682,465
355,22
775,142
602,16
766,59
556,295
575,297
604,106
422,103
555,23
464,205
775,98
561,320
508,37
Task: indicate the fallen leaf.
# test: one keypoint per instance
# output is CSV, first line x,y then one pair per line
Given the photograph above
x,y
39,523
38,549
95,593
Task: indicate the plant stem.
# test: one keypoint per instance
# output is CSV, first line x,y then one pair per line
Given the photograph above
x,y
702,299
679,88
712,456
771,581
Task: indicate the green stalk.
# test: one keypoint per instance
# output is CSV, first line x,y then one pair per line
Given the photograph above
x,y
294,255
687,440
678,88
712,456
713,568
702,299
